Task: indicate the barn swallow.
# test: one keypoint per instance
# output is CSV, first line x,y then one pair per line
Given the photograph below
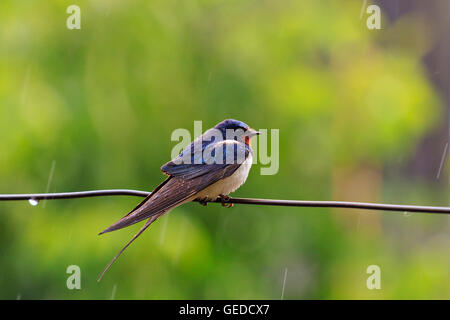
x,y
212,166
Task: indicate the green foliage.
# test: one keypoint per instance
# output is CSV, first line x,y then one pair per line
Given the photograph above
x,y
102,102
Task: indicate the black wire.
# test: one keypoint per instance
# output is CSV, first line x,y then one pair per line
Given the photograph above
x,y
72,195
267,202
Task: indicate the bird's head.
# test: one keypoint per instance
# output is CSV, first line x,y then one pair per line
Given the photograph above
x,y
236,130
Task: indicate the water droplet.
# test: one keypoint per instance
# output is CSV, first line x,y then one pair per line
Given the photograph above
x,y
33,202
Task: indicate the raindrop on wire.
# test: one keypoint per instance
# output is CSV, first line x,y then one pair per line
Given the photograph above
x,y
33,202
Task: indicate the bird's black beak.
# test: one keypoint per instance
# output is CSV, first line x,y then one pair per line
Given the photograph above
x,y
251,133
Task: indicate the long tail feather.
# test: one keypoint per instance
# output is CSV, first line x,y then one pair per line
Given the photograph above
x,y
118,224
147,224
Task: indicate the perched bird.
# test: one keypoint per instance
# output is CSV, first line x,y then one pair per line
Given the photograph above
x,y
213,165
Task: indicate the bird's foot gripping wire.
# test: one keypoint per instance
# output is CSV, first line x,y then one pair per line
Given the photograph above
x,y
225,201
203,201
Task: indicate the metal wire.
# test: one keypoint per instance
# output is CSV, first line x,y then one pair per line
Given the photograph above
x,y
251,201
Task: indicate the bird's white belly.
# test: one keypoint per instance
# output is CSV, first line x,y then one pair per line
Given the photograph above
x,y
229,184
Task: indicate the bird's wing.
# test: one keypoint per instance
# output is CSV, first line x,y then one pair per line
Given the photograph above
x,y
186,180
212,157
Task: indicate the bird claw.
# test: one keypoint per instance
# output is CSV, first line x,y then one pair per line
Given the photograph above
x,y
203,202
224,199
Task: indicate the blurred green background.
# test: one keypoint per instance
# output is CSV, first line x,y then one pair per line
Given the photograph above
x,y
362,114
